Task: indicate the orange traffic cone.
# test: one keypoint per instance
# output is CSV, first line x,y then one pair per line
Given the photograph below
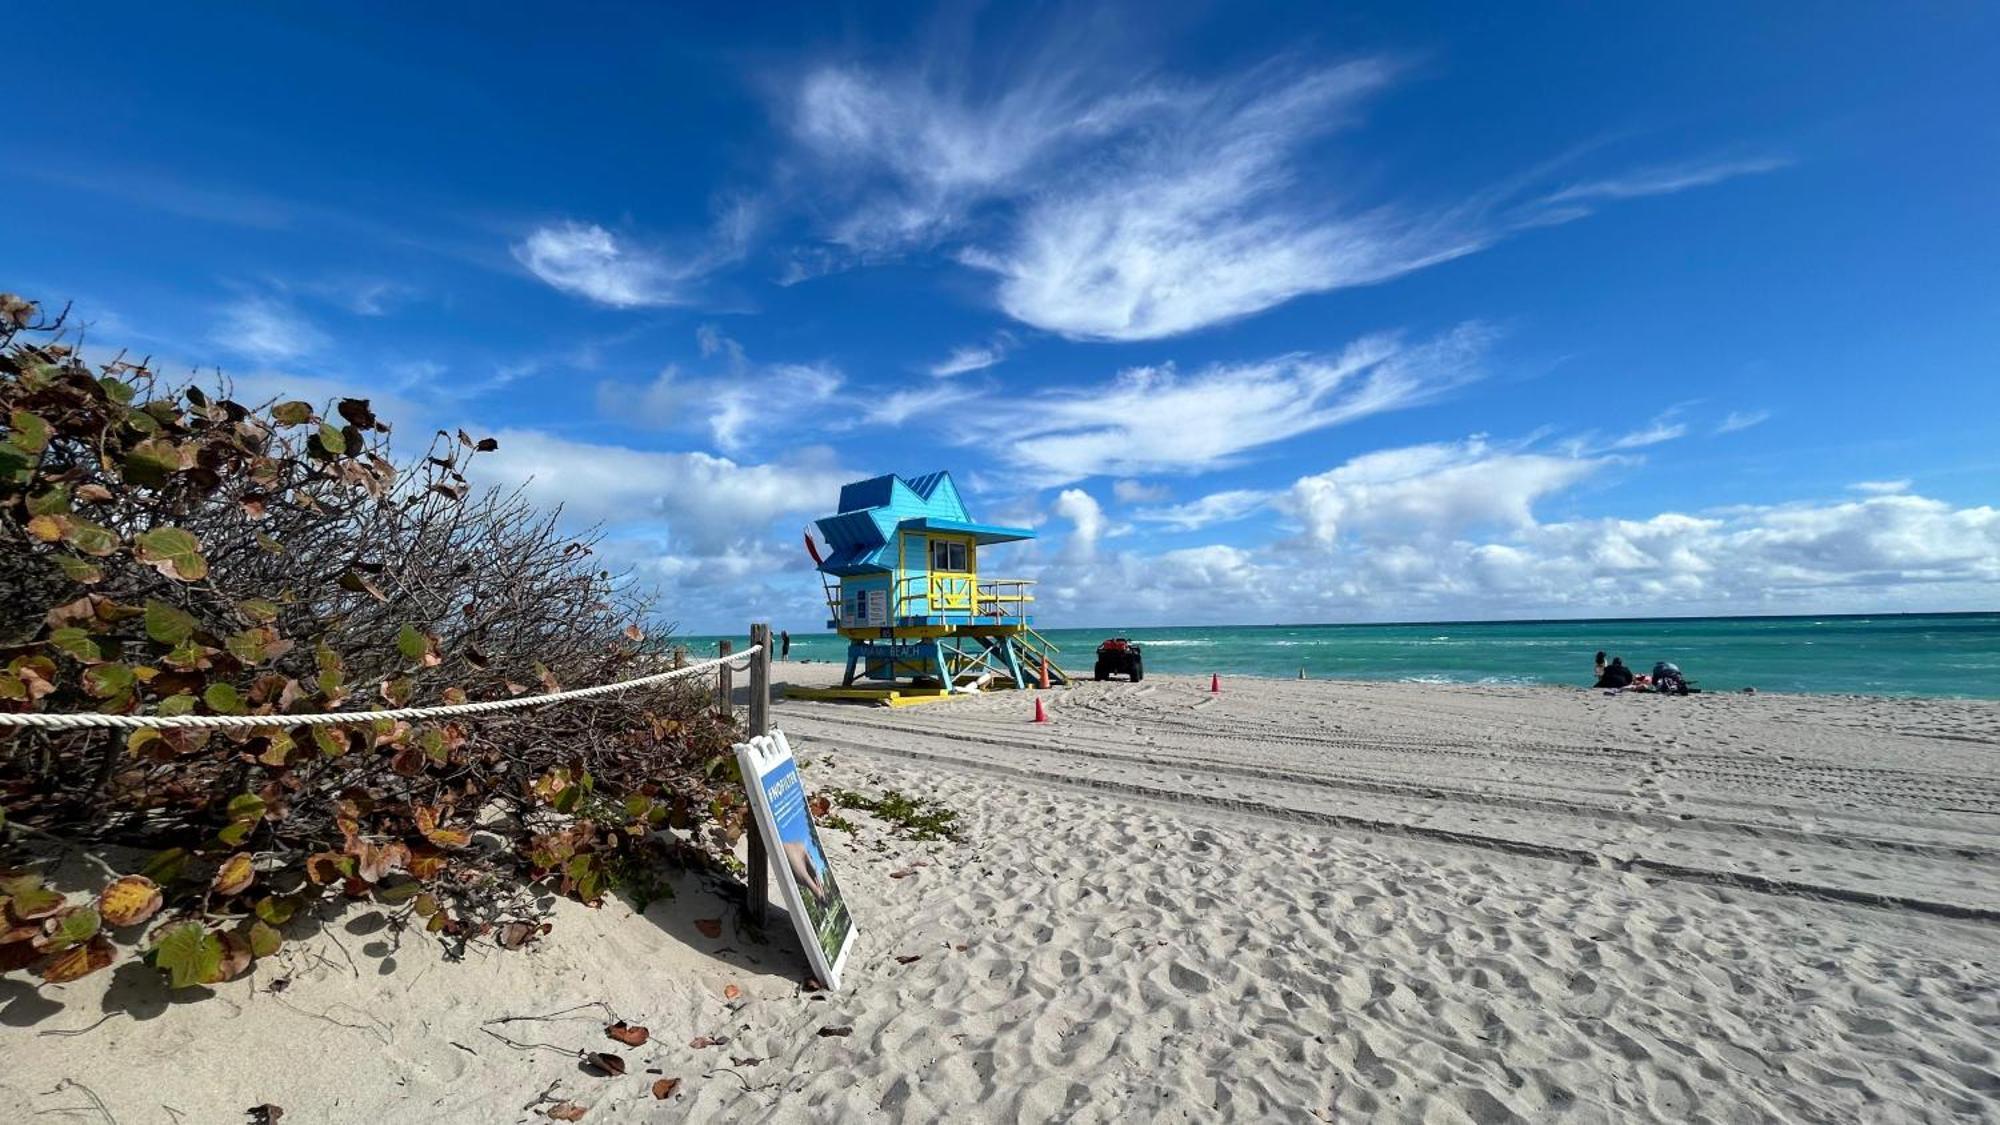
x,y
1045,672
1214,683
1041,716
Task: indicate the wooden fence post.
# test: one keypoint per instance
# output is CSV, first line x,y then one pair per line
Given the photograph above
x,y
760,724
724,688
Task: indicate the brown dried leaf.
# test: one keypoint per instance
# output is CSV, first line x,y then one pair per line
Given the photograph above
x,y
568,1111
903,874
631,1035
665,1087
605,1061
835,1032
709,927
731,992
909,958
80,961
703,1042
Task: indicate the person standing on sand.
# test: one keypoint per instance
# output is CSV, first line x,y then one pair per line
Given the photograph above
x,y
784,644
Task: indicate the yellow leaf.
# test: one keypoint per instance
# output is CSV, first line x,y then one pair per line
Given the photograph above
x,y
235,875
129,901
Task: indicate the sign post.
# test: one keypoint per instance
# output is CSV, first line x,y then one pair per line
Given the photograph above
x,y
778,798
760,724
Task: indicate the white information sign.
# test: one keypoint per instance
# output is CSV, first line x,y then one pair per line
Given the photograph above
x,y
798,860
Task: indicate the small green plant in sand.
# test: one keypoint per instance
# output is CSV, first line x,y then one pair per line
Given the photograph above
x,y
914,818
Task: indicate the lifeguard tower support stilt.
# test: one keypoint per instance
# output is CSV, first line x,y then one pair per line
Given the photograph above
x,y
901,576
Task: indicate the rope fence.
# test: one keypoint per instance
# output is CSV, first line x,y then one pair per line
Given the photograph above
x,y
735,661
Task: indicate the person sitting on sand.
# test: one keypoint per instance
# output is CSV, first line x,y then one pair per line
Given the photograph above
x,y
1597,671
1617,676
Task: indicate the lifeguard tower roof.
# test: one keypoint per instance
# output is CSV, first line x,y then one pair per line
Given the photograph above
x,y
862,538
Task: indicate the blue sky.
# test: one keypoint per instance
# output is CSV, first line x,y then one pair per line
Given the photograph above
x,y
1256,312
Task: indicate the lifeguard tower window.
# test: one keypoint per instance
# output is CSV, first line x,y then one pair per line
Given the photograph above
x,y
947,554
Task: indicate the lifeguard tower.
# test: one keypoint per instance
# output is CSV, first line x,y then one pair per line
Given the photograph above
x,y
901,574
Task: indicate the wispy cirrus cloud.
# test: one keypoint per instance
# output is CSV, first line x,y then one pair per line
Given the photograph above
x,y
739,403
267,329
1160,419
585,260
1742,420
1110,203
1215,508
974,357
1666,179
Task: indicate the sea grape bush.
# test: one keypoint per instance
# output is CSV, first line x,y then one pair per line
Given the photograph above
x,y
167,550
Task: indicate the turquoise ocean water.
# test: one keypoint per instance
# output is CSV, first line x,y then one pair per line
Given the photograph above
x,y
1929,654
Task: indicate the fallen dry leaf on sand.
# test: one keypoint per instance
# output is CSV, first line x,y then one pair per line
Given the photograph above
x,y
709,927
835,1032
266,1114
909,957
700,1042
607,1062
568,1111
626,1033
903,874
731,992
665,1087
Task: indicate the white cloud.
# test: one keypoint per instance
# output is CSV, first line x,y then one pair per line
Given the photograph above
x,y
588,261
1660,430
1430,491
703,504
1152,419
1139,492
1667,179
267,330
1214,508
1881,487
1086,517
893,408
1477,557
974,357
1742,420
740,405
1201,217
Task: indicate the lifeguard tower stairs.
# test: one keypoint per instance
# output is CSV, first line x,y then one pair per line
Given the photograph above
x,y
900,568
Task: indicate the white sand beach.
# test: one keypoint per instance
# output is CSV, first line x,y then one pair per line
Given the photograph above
x,y
1292,901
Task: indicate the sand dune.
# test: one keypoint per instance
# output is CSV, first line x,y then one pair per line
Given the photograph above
x,y
1292,901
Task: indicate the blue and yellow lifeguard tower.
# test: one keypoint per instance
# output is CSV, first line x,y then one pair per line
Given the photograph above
x,y
901,573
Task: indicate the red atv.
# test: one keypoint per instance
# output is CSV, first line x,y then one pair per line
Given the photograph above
x,y
1120,657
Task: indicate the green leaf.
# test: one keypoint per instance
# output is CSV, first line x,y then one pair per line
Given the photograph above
x,y
332,440
261,610
102,681
189,954
83,572
412,644
31,433
165,867
276,910
54,502
397,891
74,927
168,624
292,413
172,552
29,898
223,699
152,462
92,539
120,393
331,741
76,644
179,703
247,646
15,462
264,940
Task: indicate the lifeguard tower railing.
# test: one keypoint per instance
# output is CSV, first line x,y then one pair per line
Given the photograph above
x,y
998,601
